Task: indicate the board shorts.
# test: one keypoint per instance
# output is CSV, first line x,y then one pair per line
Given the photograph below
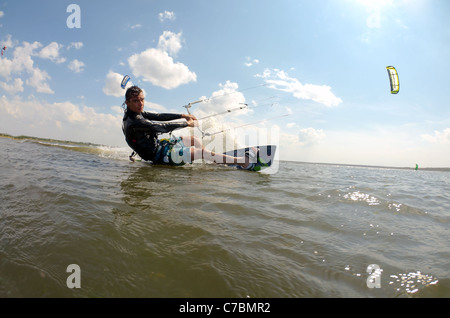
x,y
172,152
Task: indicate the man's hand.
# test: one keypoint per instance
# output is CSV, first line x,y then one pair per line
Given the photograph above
x,y
188,116
192,122
190,119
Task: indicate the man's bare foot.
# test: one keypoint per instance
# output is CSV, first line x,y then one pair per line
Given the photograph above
x,y
250,158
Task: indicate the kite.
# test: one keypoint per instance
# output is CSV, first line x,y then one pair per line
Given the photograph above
x,y
393,78
3,49
125,80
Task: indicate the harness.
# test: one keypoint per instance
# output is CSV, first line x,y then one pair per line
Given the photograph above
x,y
164,146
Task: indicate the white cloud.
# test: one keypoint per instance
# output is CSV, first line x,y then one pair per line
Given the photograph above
x,y
51,52
38,80
291,125
112,85
310,136
166,15
14,88
9,42
136,26
280,80
438,137
384,146
20,60
157,67
1,14
6,67
76,66
155,107
170,42
64,121
226,97
250,62
75,45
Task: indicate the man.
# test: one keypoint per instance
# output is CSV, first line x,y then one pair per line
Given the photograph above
x,y
141,130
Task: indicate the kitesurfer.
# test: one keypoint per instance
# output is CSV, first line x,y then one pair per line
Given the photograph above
x,y
141,129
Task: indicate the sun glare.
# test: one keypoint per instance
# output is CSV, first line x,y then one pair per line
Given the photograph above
x,y
374,4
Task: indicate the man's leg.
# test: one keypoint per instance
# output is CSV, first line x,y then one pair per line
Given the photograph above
x,y
190,141
200,152
244,162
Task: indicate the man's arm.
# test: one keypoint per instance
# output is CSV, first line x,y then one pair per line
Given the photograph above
x,y
166,116
161,116
157,126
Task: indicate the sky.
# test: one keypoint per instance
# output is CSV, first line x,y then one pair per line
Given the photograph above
x,y
312,73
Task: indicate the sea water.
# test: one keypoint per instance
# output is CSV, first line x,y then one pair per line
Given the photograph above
x,y
80,220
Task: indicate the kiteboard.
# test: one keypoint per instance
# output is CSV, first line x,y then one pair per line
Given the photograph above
x,y
263,159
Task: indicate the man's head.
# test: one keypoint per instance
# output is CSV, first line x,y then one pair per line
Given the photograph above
x,y
134,98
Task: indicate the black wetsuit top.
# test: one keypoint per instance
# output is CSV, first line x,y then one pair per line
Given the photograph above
x,y
141,130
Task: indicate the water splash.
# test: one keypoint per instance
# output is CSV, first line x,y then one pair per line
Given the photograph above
x,y
359,196
412,282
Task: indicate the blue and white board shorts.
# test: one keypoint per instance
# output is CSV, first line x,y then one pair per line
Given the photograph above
x,y
172,152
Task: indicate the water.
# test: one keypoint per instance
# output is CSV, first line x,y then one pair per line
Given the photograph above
x,y
309,230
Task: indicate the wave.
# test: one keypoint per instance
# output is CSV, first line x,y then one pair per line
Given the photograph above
x,y
123,153
120,153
